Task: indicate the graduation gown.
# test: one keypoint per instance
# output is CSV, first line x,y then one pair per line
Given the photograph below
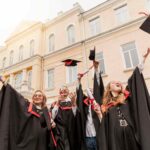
x,y
84,110
66,131
135,112
98,89
22,126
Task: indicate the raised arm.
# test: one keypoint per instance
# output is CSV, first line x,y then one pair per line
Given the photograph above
x,y
141,65
95,106
96,71
98,86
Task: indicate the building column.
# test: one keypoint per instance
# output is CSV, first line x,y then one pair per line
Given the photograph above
x,y
12,79
36,77
24,85
24,75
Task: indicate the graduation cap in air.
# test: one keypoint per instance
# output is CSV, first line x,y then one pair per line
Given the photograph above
x,y
146,25
92,54
71,62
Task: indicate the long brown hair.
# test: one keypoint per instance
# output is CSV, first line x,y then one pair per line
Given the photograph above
x,y
108,97
44,98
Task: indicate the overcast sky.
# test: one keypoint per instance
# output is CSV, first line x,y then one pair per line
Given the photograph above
x,y
12,12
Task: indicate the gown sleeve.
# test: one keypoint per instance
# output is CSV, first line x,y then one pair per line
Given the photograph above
x,y
140,108
19,129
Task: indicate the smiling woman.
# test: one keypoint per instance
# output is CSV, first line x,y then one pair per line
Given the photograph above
x,y
126,113
39,98
28,125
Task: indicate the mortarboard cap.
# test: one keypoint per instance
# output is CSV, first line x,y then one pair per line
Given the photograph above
x,y
70,62
146,25
92,54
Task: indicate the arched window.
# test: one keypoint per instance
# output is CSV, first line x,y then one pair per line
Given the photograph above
x,y
21,53
11,59
4,62
71,34
51,43
31,48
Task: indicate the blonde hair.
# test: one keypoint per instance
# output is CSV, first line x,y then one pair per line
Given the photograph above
x,y
44,98
64,87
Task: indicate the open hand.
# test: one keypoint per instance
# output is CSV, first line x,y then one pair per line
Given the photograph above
x,y
80,76
97,108
73,98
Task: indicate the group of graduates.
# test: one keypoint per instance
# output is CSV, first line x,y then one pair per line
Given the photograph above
x,y
111,118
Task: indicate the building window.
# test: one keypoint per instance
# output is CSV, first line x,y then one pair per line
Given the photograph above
x,y
148,4
4,62
30,79
31,48
18,80
94,26
130,55
122,14
71,74
21,53
51,43
11,58
100,58
50,78
71,34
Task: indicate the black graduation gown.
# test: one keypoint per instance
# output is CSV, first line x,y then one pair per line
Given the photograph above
x,y
83,108
98,90
21,127
136,112
66,132
119,137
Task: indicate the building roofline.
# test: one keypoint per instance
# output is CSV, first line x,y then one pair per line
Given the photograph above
x,y
76,8
101,6
22,32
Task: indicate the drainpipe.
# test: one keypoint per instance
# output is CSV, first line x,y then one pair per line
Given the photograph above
x,y
43,47
84,53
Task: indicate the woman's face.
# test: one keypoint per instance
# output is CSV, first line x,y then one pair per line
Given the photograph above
x,y
38,98
116,86
64,92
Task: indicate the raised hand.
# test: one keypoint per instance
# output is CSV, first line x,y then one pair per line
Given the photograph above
x,y
144,13
73,98
95,64
80,76
2,79
60,98
146,54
